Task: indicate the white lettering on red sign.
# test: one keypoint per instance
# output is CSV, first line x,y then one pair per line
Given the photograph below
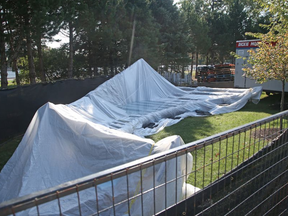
x,y
243,44
247,44
254,43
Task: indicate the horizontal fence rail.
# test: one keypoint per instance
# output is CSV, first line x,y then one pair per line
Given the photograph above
x,y
242,171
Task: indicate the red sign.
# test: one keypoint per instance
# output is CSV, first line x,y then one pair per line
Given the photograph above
x,y
247,44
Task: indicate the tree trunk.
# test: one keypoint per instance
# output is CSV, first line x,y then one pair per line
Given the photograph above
x,y
41,69
112,70
116,64
90,59
96,71
111,64
192,59
196,62
4,81
105,71
70,66
32,74
132,42
16,71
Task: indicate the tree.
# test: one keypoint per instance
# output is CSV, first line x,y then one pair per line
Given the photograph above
x,y
46,22
197,28
173,33
270,60
146,33
71,10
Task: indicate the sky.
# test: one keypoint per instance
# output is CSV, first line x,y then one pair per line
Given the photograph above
x,y
60,36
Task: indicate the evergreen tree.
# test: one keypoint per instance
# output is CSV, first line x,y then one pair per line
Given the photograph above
x,y
71,10
45,23
197,27
146,32
173,37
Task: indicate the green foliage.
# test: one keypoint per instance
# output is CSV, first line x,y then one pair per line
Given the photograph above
x,y
197,26
173,42
55,63
215,26
24,74
101,32
278,10
270,60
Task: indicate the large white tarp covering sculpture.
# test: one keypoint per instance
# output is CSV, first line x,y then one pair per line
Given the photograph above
x,y
105,129
142,102
60,145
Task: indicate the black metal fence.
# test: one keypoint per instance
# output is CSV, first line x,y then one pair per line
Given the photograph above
x,y
243,171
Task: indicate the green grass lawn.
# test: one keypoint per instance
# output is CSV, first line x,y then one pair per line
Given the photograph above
x,y
211,162
7,149
192,128
195,128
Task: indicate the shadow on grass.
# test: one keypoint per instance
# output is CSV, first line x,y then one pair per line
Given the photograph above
x,y
7,149
268,104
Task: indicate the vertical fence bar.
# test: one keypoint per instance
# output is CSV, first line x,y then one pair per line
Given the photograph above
x,y
219,154
141,189
186,177
176,183
13,211
265,129
250,137
78,198
154,185
204,166
195,161
232,155
59,204
96,194
113,196
165,194
239,141
244,145
128,194
212,159
226,157
259,140
255,138
37,207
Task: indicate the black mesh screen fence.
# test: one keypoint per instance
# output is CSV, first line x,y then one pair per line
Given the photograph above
x,y
20,104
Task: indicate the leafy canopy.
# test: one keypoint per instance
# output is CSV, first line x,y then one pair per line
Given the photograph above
x,y
270,60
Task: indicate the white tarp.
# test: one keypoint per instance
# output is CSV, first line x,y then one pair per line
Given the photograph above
x,y
142,102
66,142
60,145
